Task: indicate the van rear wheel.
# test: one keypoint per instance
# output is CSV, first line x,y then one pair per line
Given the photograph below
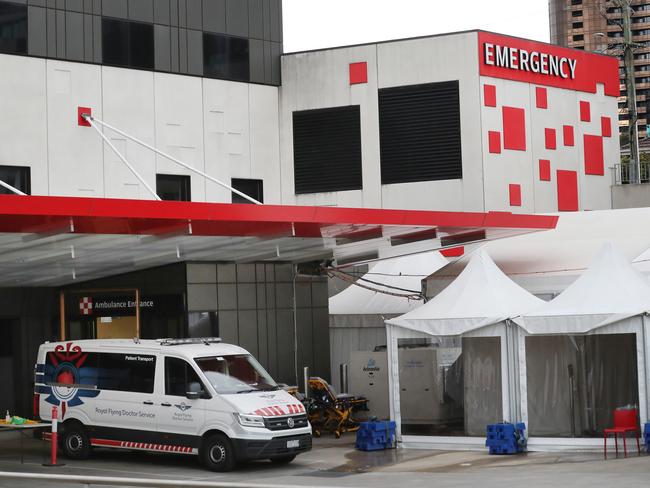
x,y
217,453
76,443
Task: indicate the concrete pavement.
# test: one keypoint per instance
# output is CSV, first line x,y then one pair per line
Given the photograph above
x,y
336,463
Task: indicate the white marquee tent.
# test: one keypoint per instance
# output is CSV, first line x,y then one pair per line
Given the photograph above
x,y
357,314
587,353
471,316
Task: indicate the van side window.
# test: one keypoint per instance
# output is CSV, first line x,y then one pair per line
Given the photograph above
x,y
104,371
180,378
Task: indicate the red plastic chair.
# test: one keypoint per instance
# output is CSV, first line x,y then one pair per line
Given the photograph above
x,y
624,422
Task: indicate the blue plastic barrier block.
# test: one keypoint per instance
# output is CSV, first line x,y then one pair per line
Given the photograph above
x,y
373,436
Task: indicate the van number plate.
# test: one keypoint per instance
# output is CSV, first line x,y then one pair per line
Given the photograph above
x,y
293,443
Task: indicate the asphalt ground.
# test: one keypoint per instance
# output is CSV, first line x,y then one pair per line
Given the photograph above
x,y
336,463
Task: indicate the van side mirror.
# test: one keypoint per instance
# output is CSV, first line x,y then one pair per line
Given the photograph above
x,y
194,395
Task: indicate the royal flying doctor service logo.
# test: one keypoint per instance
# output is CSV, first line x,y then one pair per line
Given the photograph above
x,y
183,406
63,371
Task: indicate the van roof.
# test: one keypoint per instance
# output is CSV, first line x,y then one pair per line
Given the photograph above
x,y
192,349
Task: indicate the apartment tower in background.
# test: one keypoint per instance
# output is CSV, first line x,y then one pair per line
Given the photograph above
x,y
596,25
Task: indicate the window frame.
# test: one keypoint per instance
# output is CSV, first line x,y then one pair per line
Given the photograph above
x,y
188,364
185,182
26,174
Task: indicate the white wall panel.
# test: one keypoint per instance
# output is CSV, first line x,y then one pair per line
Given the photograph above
x,y
434,59
23,117
132,111
265,140
74,152
179,126
227,137
320,80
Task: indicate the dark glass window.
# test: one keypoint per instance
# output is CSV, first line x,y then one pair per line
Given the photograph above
x,y
419,133
16,176
106,371
173,187
577,25
252,188
576,2
576,13
579,37
13,28
225,57
128,44
327,149
180,378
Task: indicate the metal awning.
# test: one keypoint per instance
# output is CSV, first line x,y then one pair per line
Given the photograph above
x,y
52,241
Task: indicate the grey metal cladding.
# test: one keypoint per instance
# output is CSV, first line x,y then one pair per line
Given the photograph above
x,y
74,6
182,13
256,60
141,10
97,7
37,31
194,14
182,50
237,17
256,19
60,34
97,38
88,6
174,49
161,14
268,65
60,4
173,13
51,33
276,51
214,16
88,38
276,30
267,19
116,8
162,43
74,36
195,52
37,3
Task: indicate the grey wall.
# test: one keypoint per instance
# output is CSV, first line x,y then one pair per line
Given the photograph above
x,y
631,196
254,305
71,30
33,315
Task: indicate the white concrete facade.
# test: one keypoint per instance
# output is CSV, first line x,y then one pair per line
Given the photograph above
x,y
226,129
319,79
242,130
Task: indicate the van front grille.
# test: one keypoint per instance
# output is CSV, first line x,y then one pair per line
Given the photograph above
x,y
282,423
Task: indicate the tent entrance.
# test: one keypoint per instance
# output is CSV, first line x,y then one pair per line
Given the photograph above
x,y
575,382
450,386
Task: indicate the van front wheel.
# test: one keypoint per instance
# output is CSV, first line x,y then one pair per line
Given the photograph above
x,y
218,454
76,444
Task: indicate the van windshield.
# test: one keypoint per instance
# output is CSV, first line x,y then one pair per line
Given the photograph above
x,y
237,373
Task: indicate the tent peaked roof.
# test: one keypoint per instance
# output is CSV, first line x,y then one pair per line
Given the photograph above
x,y
405,272
482,294
609,286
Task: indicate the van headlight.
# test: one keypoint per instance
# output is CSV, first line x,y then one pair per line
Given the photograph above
x,y
250,420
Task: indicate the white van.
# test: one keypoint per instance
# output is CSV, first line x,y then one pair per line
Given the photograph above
x,y
187,396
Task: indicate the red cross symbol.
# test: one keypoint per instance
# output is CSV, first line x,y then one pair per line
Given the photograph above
x,y
86,305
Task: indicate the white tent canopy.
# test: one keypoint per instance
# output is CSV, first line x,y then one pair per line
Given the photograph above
x,y
406,272
610,290
481,295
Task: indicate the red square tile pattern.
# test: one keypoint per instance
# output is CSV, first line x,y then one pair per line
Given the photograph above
x,y
494,142
489,95
358,73
514,128
567,190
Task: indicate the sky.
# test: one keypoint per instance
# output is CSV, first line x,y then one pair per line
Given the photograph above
x,y
315,24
